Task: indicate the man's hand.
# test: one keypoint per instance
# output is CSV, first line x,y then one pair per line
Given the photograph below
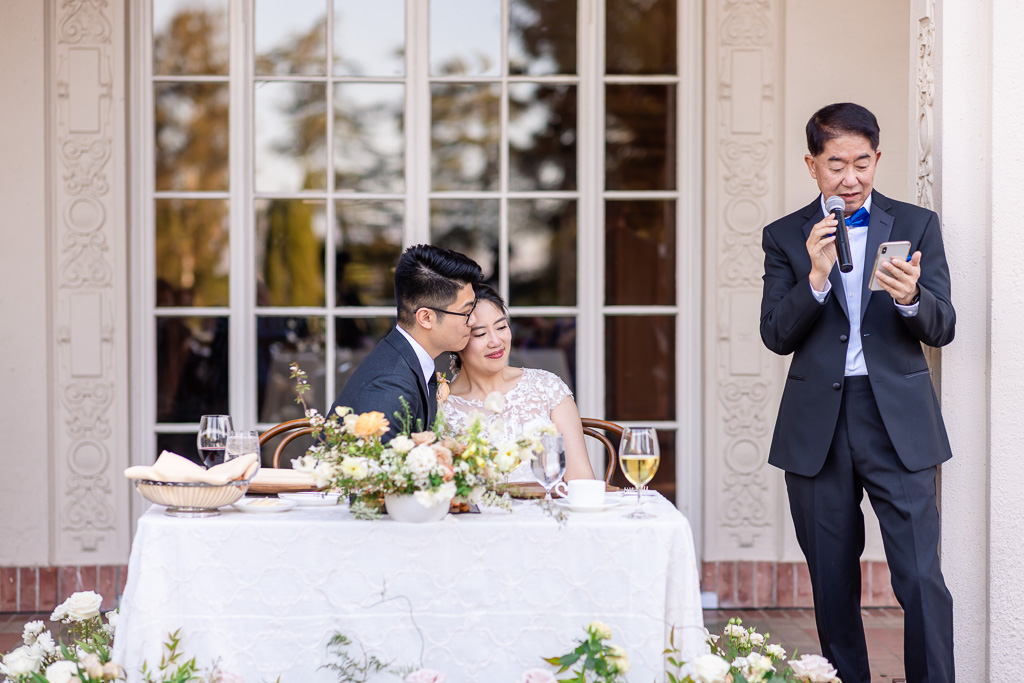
x,y
899,278
821,247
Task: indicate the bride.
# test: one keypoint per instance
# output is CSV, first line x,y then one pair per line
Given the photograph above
x,y
530,394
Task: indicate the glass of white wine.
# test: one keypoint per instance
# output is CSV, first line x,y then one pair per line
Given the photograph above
x,y
549,464
639,457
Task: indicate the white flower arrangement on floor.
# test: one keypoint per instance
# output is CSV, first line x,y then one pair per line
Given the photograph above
x,y
742,655
80,653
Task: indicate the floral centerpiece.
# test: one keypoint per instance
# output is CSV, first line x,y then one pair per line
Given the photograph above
x,y
432,466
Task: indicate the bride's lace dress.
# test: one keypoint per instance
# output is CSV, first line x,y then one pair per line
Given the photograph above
x,y
534,397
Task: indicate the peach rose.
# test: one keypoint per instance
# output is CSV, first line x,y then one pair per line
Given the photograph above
x,y
444,456
453,445
422,438
371,424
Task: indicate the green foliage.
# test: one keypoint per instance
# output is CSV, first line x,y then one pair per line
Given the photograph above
x,y
355,669
593,660
171,671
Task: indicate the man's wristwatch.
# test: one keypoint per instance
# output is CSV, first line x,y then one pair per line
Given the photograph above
x,y
917,297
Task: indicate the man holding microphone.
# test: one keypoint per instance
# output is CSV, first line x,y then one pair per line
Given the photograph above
x,y
858,412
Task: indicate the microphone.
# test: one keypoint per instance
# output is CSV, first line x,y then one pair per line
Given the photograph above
x,y
835,206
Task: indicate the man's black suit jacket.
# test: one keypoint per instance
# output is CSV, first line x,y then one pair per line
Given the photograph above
x,y
391,370
792,321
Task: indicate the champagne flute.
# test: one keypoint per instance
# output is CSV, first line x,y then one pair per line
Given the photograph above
x,y
549,465
639,457
212,439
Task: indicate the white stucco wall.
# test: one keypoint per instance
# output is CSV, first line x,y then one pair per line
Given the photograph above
x,y
24,461
835,55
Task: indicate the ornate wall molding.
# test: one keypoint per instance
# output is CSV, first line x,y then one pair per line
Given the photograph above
x,y
743,115
86,125
925,105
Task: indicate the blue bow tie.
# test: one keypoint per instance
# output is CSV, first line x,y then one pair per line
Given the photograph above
x,y
860,217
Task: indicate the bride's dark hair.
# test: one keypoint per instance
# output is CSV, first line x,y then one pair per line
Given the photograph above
x,y
483,293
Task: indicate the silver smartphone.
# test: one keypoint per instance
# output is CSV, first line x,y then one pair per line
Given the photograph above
x,y
887,251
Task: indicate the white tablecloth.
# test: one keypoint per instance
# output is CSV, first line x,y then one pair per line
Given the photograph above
x,y
480,597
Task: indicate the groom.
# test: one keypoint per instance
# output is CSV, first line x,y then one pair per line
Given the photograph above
x,y
434,293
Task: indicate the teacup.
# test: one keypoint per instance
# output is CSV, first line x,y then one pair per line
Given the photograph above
x,y
582,492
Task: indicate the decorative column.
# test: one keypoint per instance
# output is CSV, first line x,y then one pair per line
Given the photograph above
x,y
88,291
743,184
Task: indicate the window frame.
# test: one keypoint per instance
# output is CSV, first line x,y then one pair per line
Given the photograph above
x,y
590,196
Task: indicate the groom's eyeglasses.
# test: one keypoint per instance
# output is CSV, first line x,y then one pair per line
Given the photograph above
x,y
464,315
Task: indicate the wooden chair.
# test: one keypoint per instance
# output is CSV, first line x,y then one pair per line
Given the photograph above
x,y
596,429
292,429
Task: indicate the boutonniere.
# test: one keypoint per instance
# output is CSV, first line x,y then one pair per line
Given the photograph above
x,y
442,388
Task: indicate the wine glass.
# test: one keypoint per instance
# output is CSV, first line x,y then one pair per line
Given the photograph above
x,y
212,439
549,465
639,457
242,443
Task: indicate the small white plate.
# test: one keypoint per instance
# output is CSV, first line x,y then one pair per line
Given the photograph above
x,y
268,505
311,499
609,502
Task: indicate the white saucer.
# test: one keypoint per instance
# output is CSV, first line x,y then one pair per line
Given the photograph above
x,y
311,499
272,505
609,502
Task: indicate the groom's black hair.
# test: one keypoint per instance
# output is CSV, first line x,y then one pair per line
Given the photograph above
x,y
431,276
837,120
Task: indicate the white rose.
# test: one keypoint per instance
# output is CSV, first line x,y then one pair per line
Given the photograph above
x,y
92,665
776,652
112,671
495,402
22,661
44,644
62,671
59,613
755,667
421,460
756,639
734,631
599,630
813,669
82,606
348,422
710,669
31,630
617,659
401,444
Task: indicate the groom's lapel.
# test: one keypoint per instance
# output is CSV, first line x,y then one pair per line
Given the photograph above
x,y
404,348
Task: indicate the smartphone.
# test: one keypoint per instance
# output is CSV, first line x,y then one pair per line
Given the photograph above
x,y
887,251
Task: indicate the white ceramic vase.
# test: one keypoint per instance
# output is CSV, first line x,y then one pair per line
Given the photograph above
x,y
405,508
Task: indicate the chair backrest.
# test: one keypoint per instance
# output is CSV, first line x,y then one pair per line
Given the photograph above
x,y
597,429
292,429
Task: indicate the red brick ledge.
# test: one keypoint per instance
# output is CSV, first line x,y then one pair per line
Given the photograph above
x,y
40,589
784,584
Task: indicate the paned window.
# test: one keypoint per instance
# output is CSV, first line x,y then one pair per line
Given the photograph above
x,y
291,150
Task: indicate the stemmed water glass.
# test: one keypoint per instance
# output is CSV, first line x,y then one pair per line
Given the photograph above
x,y
242,443
212,439
549,464
639,457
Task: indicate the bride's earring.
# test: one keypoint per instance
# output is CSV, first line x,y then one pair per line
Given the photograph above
x,y
453,364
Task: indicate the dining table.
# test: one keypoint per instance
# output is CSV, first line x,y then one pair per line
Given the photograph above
x,y
480,596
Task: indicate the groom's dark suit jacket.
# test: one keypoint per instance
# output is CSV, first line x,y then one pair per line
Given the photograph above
x,y
391,370
792,321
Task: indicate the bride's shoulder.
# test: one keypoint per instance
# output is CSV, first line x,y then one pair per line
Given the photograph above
x,y
544,377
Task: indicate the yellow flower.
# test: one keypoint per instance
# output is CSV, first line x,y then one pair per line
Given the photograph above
x,y
371,424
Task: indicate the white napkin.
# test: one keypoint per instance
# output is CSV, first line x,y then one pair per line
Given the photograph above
x,y
173,467
269,476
